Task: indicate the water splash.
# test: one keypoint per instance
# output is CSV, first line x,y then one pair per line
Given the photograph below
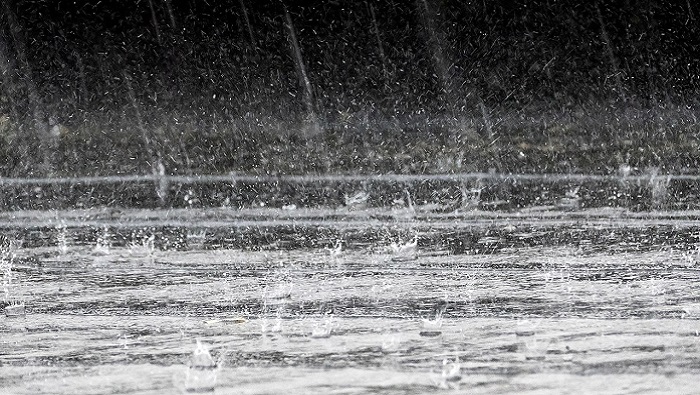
x,y
391,343
12,300
691,256
143,245
432,327
279,291
405,250
691,310
266,327
471,197
324,328
196,240
335,253
62,240
571,200
432,324
357,200
190,199
450,376
103,245
202,370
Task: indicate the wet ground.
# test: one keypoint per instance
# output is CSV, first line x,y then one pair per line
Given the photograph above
x,y
319,301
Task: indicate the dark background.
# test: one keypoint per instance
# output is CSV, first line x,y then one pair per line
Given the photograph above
x,y
216,86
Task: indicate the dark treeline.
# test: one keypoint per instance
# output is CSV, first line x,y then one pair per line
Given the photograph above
x,y
145,68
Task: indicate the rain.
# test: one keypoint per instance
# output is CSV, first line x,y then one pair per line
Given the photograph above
x,y
367,197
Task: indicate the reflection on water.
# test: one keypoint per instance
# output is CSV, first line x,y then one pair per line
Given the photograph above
x,y
122,312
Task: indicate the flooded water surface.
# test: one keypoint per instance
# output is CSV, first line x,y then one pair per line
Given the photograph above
x,y
319,302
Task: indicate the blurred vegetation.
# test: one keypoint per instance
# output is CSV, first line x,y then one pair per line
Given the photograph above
x,y
422,86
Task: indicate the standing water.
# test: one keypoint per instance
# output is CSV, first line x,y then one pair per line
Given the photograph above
x,y
549,297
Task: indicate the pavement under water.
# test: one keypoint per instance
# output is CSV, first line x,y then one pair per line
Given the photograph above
x,y
529,301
